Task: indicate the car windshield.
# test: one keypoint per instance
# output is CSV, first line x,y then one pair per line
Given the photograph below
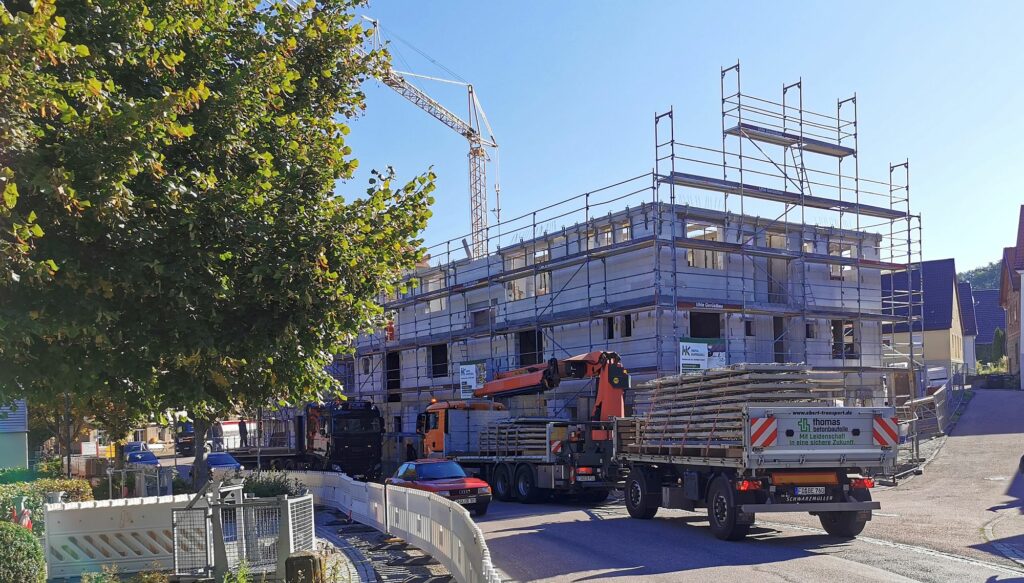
x,y
134,446
439,471
141,456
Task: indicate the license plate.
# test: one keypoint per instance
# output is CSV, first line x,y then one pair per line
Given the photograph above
x,y
586,478
810,491
464,500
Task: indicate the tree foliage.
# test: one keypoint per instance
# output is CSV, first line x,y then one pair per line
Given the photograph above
x,y
984,277
171,233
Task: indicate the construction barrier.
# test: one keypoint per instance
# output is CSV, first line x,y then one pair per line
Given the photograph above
x,y
436,525
133,534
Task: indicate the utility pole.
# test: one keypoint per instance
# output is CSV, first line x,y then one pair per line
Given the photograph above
x,y
67,420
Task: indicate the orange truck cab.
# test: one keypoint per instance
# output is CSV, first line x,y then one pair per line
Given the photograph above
x,y
435,424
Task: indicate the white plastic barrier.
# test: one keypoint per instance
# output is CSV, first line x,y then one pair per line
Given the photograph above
x,y
132,533
439,527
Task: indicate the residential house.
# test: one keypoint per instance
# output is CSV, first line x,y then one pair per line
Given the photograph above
x,y
990,317
14,436
938,335
1010,297
970,324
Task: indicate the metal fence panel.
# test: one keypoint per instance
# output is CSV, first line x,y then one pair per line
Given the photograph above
x,y
303,530
193,549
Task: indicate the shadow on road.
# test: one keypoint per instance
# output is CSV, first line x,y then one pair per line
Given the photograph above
x,y
658,546
986,414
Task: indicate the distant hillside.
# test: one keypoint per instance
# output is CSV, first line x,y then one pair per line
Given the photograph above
x,y
986,277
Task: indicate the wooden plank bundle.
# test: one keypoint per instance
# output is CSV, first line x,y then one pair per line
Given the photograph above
x,y
706,408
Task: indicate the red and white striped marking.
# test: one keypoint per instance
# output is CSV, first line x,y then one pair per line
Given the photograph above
x,y
886,431
763,431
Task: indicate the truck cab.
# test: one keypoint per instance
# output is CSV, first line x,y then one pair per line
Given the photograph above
x,y
448,427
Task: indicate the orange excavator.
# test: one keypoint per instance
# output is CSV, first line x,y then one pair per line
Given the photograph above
x,y
526,458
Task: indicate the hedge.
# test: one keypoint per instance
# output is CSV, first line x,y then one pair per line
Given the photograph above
x,y
35,492
21,555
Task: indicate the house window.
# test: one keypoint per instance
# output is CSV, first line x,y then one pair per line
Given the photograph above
x,y
748,327
838,271
776,240
625,232
439,360
809,330
364,362
529,286
808,246
541,254
844,342
393,376
604,236
703,258
480,317
515,260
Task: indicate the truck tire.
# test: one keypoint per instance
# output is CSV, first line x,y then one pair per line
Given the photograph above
x,y
846,524
502,483
526,489
640,498
722,511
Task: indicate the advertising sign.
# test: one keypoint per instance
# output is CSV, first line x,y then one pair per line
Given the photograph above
x,y
471,377
701,353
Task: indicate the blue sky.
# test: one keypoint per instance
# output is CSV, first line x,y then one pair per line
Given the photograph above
x,y
570,89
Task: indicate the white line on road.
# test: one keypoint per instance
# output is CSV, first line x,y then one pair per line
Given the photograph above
x,y
905,547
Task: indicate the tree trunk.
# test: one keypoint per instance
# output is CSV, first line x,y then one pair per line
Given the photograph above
x,y
200,472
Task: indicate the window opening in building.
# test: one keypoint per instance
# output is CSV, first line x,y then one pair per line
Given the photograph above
x,y
843,339
844,250
393,376
748,327
439,360
365,363
531,347
703,258
809,330
705,325
779,333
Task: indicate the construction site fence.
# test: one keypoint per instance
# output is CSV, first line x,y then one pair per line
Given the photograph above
x,y
437,526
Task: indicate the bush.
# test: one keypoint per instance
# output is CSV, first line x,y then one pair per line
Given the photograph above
x,y
21,555
35,494
12,475
47,468
271,484
50,468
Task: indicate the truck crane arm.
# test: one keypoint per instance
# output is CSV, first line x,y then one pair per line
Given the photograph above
x,y
606,367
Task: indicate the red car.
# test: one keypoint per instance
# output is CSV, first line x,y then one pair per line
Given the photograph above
x,y
444,478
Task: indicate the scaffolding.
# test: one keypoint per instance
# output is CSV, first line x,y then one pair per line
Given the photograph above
x,y
774,235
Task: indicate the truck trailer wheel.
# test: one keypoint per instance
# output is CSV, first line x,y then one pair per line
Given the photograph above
x,y
526,489
502,483
640,499
722,511
846,524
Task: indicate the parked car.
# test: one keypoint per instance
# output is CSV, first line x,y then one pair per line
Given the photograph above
x,y
142,457
134,446
445,478
220,460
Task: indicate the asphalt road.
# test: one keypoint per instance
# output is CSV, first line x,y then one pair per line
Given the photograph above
x,y
931,528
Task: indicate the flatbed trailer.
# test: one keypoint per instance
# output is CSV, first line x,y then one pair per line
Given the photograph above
x,y
820,460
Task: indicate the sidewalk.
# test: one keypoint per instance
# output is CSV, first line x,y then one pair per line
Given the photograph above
x,y
373,556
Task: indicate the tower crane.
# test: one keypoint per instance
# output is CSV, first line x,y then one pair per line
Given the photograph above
x,y
469,128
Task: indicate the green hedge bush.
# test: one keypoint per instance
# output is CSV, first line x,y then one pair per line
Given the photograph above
x,y
21,555
35,493
271,484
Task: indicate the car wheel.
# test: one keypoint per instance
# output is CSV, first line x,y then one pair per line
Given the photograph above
x,y
502,483
526,489
640,502
722,511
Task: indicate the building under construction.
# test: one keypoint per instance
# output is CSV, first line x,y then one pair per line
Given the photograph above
x,y
766,247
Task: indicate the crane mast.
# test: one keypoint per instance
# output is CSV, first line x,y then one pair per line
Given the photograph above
x,y
470,130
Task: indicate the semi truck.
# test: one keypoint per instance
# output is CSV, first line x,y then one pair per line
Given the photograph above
x,y
344,436
532,458
787,458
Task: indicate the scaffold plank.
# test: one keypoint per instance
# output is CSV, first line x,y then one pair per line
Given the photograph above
x,y
789,139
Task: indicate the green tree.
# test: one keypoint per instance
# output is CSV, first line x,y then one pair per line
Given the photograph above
x,y
998,344
180,161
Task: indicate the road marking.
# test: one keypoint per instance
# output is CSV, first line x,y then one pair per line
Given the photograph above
x,y
906,547
877,513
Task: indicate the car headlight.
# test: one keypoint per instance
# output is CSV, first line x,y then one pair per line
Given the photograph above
x,y
443,493
484,490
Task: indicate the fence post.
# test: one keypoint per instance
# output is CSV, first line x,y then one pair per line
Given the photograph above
x,y
220,554
284,534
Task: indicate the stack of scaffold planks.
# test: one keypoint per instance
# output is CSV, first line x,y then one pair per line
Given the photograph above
x,y
515,438
704,411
